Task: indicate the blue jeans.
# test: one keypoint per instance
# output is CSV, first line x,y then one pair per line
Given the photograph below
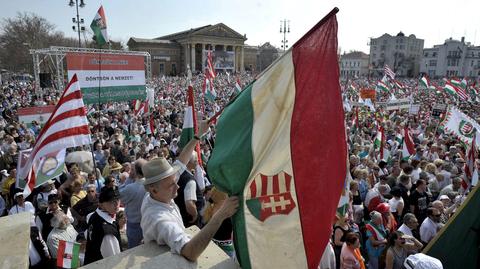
x,y
134,234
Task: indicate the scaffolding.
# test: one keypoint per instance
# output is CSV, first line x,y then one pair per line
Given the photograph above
x,y
55,55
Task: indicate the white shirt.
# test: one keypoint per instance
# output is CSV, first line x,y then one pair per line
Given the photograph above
x,y
428,230
163,224
27,207
393,203
190,191
328,258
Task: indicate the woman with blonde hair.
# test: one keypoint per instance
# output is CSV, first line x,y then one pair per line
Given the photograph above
x,y
77,192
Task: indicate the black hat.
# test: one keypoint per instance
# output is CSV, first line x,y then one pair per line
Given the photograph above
x,y
53,197
108,195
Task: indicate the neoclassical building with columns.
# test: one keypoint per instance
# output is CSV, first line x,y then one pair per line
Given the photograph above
x,y
171,54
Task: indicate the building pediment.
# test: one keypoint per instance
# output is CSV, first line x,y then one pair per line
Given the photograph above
x,y
219,30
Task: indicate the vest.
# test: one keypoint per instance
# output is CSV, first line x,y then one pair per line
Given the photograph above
x,y
97,229
180,199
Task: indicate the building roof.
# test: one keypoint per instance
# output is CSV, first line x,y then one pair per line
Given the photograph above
x,y
354,55
183,33
204,30
153,41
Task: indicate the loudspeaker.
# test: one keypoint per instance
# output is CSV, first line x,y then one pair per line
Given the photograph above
x,y
45,80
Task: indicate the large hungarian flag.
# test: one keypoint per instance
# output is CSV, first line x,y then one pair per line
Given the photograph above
x,y
280,146
67,127
99,27
456,245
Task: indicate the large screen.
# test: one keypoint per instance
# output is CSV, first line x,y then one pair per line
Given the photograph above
x,y
108,77
224,60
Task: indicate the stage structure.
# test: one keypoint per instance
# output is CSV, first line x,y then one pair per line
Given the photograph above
x,y
84,60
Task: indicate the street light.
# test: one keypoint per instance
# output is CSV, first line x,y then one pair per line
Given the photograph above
x,y
284,29
78,21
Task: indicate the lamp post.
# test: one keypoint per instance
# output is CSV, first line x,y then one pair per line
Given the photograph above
x,y
284,29
78,21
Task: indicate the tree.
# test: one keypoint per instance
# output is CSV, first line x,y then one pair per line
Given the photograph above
x,y
23,32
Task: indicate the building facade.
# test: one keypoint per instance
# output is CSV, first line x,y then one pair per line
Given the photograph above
x,y
453,58
172,54
353,65
401,53
258,58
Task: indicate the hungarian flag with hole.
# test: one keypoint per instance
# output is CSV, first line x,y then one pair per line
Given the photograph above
x,y
280,146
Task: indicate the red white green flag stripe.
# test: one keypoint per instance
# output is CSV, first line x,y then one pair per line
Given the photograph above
x,y
382,87
67,127
238,88
450,88
408,147
425,83
188,120
99,27
68,255
280,146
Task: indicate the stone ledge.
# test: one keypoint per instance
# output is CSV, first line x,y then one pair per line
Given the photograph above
x,y
151,255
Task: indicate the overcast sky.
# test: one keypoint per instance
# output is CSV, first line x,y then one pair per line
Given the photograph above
x,y
433,21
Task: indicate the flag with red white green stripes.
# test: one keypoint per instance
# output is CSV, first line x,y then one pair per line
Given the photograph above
x,y
287,121
238,88
67,127
382,87
68,255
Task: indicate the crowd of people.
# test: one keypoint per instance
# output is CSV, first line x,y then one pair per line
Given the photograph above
x,y
102,207
397,205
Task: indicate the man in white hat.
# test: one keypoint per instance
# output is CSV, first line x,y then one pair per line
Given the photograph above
x,y
161,219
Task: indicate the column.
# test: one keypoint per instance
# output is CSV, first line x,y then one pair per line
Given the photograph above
x,y
241,60
237,58
186,56
202,67
192,54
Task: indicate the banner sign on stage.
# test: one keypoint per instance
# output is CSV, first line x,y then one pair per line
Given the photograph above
x,y
116,77
396,104
224,60
40,114
367,94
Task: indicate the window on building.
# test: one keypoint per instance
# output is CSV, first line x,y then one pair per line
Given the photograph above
x,y
471,63
161,68
432,63
383,47
174,69
434,54
402,47
426,54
